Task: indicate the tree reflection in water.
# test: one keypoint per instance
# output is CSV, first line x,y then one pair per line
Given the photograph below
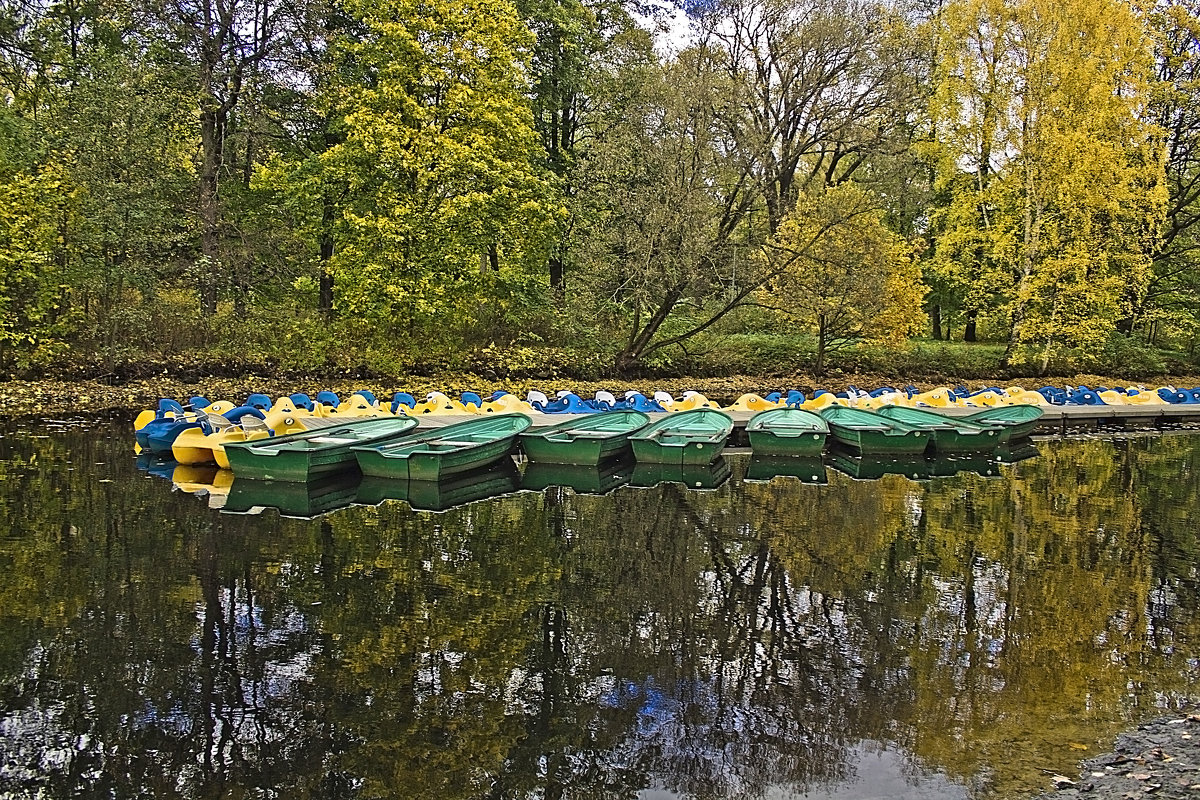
x,y
726,643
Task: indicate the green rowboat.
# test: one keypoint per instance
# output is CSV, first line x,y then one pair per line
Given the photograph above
x,y
693,476
311,454
585,440
582,479
872,435
432,455
500,478
787,432
1017,422
684,437
950,435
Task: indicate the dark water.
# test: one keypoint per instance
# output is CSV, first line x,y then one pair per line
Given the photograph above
x,y
944,638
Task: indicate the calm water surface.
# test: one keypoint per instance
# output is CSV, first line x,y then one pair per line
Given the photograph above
x,y
954,637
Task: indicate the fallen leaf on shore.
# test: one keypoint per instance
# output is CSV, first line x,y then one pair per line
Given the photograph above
x,y
1077,746
1062,781
1140,776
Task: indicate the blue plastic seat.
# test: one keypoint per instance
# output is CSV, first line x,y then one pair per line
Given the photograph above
x,y
403,399
258,401
301,400
328,398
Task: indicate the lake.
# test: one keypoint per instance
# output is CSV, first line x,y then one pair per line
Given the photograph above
x,y
958,636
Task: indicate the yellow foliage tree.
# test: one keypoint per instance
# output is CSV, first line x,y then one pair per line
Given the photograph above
x,y
1053,176
842,274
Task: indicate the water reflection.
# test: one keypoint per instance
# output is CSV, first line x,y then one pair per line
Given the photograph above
x,y
599,479
693,476
749,641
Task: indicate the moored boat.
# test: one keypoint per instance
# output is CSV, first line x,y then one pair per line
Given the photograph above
x,y
868,433
685,437
950,435
585,441
1016,421
433,455
787,432
310,454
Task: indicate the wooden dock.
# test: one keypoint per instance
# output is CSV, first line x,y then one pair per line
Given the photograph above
x,y
1056,420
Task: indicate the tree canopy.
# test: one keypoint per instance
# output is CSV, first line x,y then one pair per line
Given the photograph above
x,y
474,172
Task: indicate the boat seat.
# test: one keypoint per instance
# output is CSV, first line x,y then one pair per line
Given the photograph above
x,y
333,440
451,443
589,434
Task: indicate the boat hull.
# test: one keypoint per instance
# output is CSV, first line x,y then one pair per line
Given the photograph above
x,y
312,454
689,438
787,433
1017,422
454,449
950,435
584,442
869,434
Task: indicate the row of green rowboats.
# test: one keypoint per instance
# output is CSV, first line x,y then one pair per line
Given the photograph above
x,y
388,448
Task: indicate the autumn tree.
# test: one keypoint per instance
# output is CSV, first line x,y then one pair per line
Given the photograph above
x,y
816,90
842,274
1053,179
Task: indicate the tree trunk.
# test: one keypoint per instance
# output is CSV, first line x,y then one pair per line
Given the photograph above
x,y
211,146
558,278
969,328
325,288
935,321
819,367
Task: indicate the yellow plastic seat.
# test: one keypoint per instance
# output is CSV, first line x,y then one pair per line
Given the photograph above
x,y
438,403
753,402
507,404
824,401
1026,397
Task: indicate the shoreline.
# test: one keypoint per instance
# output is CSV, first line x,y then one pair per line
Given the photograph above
x,y
1159,758
57,397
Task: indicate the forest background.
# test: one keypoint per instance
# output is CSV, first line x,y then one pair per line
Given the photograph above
x,y
974,188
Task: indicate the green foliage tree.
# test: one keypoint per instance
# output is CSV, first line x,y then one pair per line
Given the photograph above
x,y
444,199
1173,289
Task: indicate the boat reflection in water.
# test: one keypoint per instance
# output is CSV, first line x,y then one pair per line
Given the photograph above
x,y
1021,451
915,468
203,480
693,476
806,469
944,467
299,499
158,466
460,489
589,479
920,468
